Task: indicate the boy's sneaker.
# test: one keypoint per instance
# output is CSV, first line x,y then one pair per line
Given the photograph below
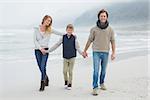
x,y
66,84
103,87
69,87
94,93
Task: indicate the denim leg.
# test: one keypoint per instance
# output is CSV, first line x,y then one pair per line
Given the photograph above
x,y
96,63
104,61
38,56
43,65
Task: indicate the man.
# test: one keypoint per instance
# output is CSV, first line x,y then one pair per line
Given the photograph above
x,y
101,36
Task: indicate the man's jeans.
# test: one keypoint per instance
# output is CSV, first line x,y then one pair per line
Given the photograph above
x,y
99,58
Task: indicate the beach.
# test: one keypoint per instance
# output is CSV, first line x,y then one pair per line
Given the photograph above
x,y
127,79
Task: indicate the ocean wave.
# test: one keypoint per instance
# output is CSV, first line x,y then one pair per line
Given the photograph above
x,y
7,34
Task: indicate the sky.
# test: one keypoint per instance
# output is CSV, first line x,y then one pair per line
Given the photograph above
x,y
64,0
14,13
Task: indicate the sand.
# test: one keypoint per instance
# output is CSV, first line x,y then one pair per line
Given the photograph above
x,y
126,79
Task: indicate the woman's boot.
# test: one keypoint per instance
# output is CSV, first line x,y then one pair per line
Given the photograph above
x,y
46,81
42,86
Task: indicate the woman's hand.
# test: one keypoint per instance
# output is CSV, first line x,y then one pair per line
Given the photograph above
x,y
43,51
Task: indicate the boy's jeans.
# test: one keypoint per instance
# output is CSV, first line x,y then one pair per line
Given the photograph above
x,y
99,58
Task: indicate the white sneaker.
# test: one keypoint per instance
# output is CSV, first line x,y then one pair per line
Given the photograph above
x,y
103,87
65,86
94,93
69,88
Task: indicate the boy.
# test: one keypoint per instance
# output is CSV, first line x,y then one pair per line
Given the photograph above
x,y
70,45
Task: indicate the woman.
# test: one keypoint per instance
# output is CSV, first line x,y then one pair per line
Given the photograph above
x,y
101,35
41,40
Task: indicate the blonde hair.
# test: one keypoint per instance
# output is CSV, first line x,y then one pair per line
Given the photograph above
x,y
70,26
48,28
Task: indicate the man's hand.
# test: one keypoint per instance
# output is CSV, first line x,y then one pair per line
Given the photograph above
x,y
84,54
113,56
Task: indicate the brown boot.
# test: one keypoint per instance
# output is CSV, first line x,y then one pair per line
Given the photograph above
x,y
47,81
42,86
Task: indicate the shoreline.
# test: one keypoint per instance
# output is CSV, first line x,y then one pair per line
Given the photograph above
x,y
119,56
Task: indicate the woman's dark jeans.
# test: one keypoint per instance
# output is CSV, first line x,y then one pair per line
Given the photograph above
x,y
41,61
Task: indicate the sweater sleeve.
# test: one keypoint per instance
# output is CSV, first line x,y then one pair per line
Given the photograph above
x,y
77,46
91,36
57,32
55,46
112,38
35,39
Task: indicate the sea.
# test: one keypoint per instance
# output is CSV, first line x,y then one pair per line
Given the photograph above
x,y
17,44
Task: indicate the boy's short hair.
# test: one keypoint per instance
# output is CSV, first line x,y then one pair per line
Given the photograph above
x,y
70,26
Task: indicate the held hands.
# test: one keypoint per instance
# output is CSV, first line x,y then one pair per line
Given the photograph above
x,y
84,54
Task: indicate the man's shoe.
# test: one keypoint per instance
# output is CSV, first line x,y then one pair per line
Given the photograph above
x,y
94,93
103,87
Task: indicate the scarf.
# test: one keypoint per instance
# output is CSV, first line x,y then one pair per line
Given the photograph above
x,y
102,26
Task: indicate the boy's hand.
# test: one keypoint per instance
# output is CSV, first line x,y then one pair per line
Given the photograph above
x,y
84,54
